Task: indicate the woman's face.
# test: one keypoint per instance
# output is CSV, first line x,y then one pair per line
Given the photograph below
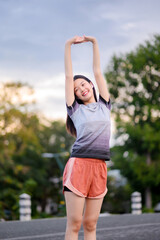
x,y
84,90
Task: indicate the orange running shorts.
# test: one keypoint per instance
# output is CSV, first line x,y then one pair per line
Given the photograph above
x,y
86,177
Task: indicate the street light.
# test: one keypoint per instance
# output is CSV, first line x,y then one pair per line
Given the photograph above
x,y
61,165
57,156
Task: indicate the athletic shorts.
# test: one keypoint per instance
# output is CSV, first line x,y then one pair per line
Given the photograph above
x,y
86,177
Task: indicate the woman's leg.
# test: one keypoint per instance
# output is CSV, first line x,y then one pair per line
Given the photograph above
x,y
75,207
91,214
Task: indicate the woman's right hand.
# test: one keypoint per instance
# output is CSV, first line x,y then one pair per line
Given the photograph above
x,y
75,40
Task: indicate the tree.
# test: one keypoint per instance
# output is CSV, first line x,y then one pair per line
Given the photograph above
x,y
56,140
117,199
23,139
134,84
18,126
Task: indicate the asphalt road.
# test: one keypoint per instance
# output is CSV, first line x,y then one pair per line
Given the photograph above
x,y
113,227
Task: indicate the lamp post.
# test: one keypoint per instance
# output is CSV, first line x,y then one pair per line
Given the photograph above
x,y
61,165
57,156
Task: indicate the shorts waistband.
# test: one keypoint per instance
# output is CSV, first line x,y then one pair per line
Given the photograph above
x,y
93,160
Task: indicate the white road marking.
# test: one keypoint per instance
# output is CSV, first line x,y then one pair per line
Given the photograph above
x,y
98,230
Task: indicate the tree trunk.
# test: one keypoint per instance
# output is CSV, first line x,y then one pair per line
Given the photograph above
x,y
148,195
43,204
148,198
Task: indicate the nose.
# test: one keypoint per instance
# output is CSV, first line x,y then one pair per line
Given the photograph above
x,y
82,88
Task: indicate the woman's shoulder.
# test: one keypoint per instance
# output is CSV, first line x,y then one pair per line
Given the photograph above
x,y
72,108
104,102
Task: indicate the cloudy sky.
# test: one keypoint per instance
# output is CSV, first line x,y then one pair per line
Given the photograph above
x,y
33,34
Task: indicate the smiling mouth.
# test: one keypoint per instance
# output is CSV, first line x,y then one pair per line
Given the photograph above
x,y
85,93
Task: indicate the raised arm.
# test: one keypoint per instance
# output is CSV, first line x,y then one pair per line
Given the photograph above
x,y
69,84
101,82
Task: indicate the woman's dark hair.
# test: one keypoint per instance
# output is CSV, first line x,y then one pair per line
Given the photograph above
x,y
69,124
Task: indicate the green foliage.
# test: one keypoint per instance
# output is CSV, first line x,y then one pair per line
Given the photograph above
x,y
23,139
117,199
134,84
147,210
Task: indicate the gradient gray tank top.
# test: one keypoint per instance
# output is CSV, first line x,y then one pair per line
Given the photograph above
x,y
92,123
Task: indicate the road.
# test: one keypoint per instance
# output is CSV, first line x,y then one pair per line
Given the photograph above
x,y
112,227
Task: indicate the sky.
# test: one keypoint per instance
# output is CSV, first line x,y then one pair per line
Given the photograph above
x,y
33,35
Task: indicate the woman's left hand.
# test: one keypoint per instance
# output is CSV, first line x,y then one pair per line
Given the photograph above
x,y
79,39
85,39
89,39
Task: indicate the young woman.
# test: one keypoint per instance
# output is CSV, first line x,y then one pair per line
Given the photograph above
x,y
85,174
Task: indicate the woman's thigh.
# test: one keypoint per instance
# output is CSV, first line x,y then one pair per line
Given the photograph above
x,y
92,209
74,206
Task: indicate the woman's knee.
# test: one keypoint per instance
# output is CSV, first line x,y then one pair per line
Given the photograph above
x,y
89,225
74,224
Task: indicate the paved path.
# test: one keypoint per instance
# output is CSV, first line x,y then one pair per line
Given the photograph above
x,y
113,227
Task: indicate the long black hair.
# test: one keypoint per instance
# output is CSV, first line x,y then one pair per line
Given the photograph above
x,y
69,124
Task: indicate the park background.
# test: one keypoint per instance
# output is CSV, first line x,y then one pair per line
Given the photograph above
x,y
32,101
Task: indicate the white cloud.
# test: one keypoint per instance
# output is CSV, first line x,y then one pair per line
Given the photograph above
x,y
128,26
33,37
